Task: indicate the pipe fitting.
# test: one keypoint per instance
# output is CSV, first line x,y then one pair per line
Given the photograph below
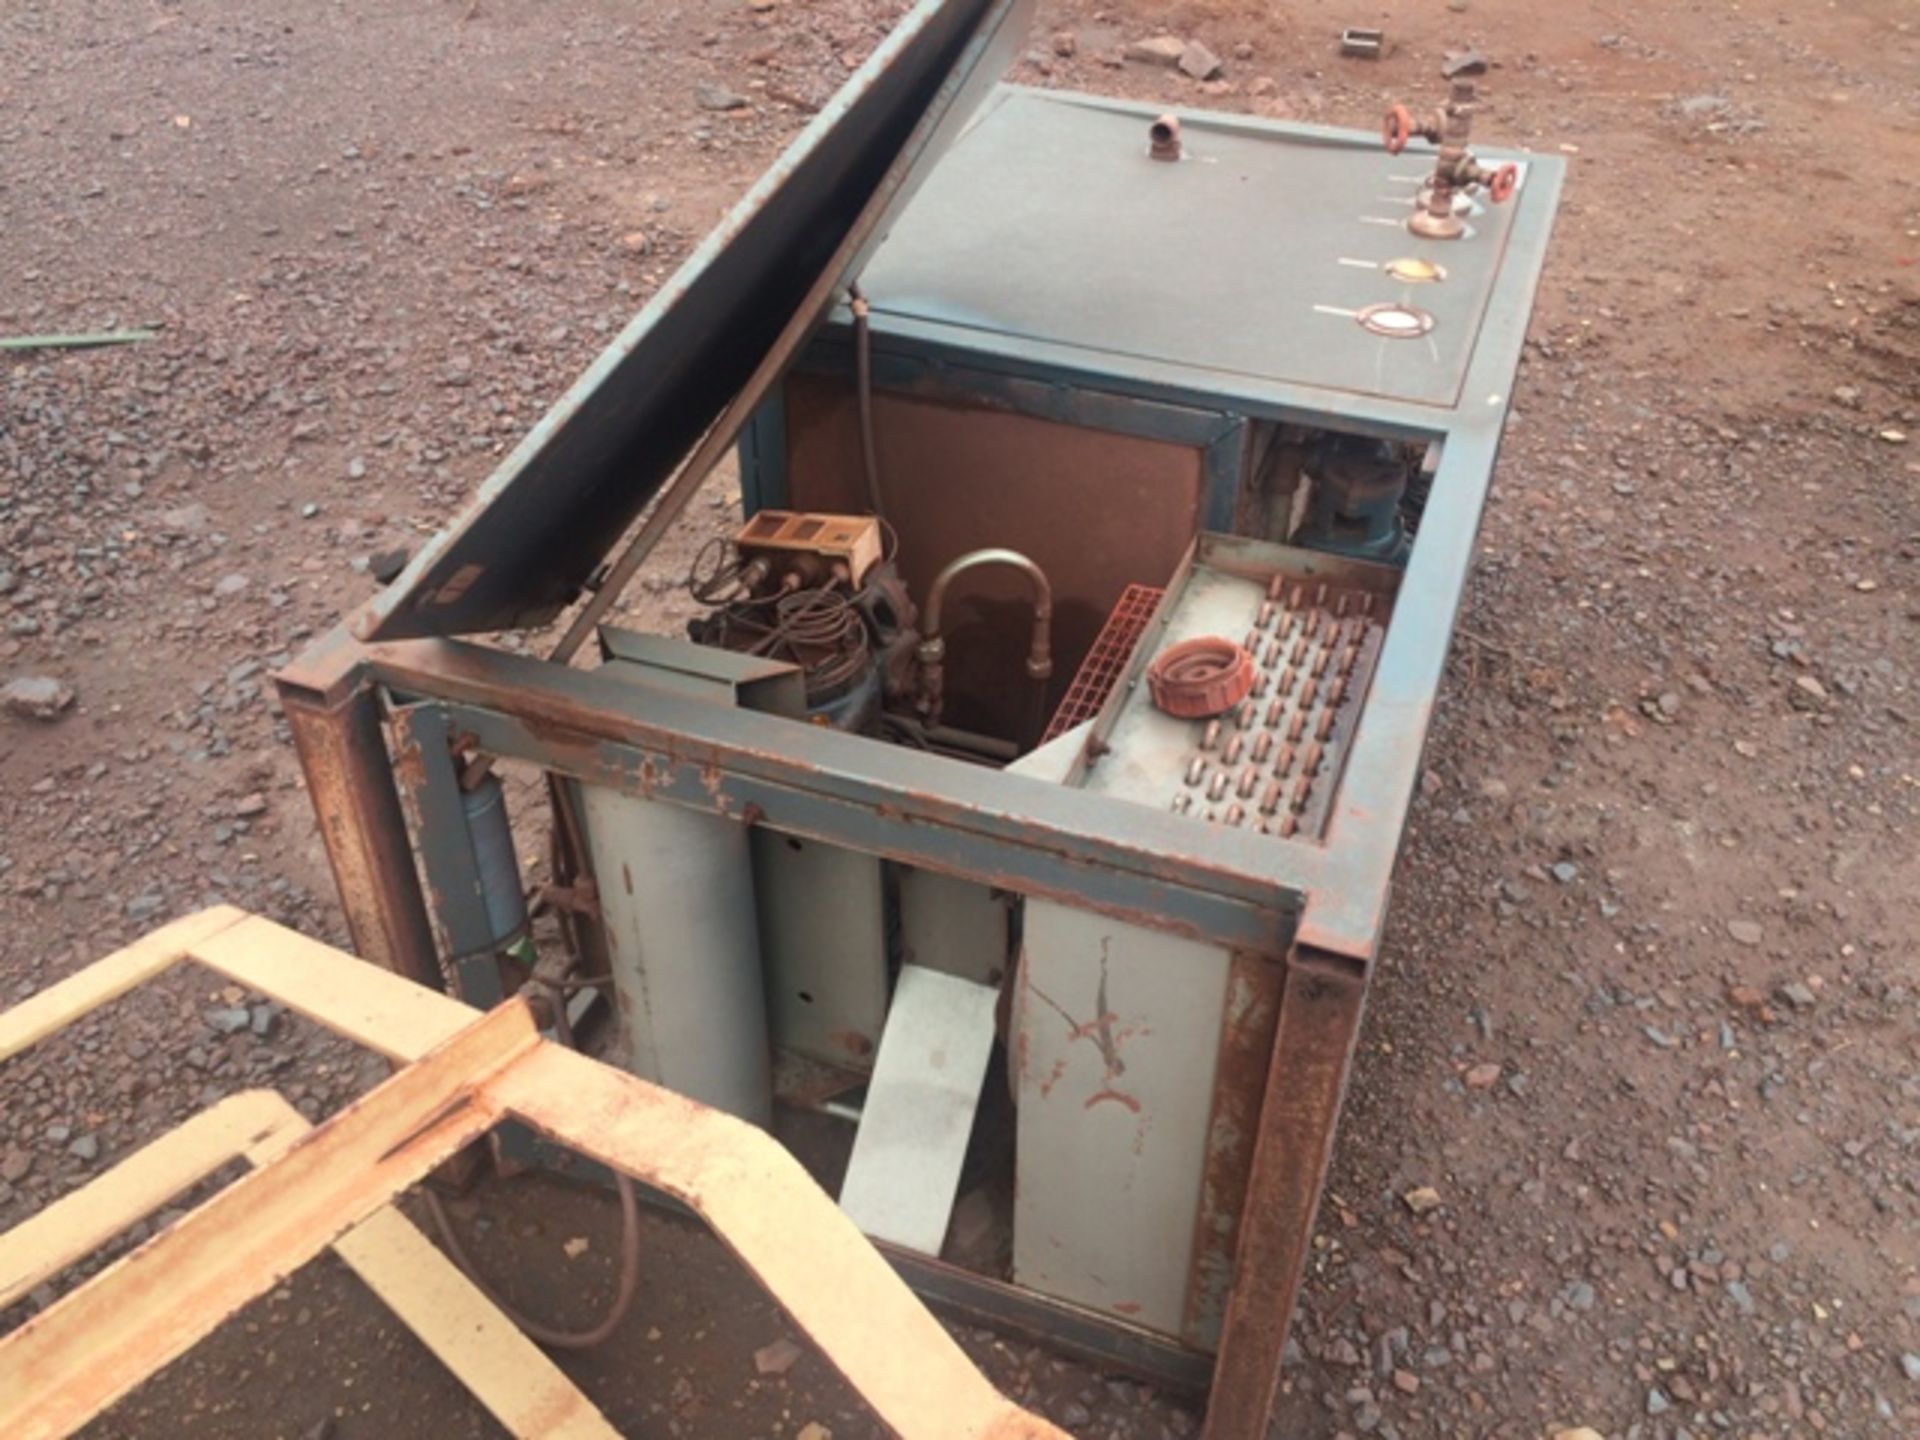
x,y
933,646
1450,127
1163,138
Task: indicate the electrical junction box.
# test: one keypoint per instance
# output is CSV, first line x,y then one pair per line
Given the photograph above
x,y
850,541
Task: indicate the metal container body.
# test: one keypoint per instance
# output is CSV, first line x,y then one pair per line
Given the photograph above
x,y
1083,351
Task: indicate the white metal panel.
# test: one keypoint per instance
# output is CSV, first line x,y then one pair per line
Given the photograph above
x,y
823,933
958,927
905,1168
676,895
1116,1038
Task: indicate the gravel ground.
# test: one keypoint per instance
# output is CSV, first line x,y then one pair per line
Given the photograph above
x,y
1647,1022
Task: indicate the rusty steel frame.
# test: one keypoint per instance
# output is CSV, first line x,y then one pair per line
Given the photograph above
x,y
343,755
462,1072
1266,1160
1321,1001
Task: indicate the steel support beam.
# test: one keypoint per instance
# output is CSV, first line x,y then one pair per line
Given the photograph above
x,y
350,782
1320,1009
1012,831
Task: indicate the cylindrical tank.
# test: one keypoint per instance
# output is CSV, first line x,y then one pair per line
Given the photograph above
x,y
676,896
506,898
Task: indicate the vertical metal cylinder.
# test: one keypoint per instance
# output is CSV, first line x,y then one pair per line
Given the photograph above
x,y
506,898
677,899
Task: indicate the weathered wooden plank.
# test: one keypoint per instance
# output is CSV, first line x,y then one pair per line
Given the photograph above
x,y
333,1185
788,1232
524,1390
374,1007
77,1357
77,1224
38,1016
508,1373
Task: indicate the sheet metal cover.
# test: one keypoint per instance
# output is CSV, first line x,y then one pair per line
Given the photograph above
x,y
1255,256
547,517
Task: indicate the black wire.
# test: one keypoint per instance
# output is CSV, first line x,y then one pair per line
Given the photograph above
x,y
547,1334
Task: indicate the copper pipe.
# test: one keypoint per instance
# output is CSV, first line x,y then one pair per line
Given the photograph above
x,y
933,647
1163,138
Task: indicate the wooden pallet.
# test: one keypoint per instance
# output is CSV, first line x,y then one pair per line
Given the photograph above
x,y
460,1073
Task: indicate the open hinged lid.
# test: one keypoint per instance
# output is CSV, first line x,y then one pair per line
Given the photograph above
x,y
545,519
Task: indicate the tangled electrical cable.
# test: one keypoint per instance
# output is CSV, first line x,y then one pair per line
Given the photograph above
x,y
819,628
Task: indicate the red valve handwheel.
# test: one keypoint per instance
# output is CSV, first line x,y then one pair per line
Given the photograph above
x,y
1505,180
1397,129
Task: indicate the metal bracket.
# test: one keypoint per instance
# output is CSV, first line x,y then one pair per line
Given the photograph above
x,y
1362,43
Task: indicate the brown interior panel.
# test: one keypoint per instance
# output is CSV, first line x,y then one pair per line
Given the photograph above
x,y
1096,510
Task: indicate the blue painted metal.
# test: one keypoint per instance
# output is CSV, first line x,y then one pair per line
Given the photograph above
x,y
1344,881
1482,395
1324,899
1253,257
557,505
456,894
1022,834
1224,472
763,456
1358,485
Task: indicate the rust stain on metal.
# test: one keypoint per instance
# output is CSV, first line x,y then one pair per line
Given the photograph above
x,y
853,1042
1246,1050
1320,1008
592,740
1105,1032
349,774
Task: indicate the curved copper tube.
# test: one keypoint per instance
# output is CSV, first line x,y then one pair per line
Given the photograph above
x,y
933,646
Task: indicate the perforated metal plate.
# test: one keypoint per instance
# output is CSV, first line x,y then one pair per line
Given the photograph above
x,y
1272,763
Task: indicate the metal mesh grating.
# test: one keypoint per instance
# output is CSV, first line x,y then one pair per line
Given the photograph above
x,y
1107,660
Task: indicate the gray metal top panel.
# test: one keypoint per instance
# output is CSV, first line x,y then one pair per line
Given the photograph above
x,y
1250,256
561,500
